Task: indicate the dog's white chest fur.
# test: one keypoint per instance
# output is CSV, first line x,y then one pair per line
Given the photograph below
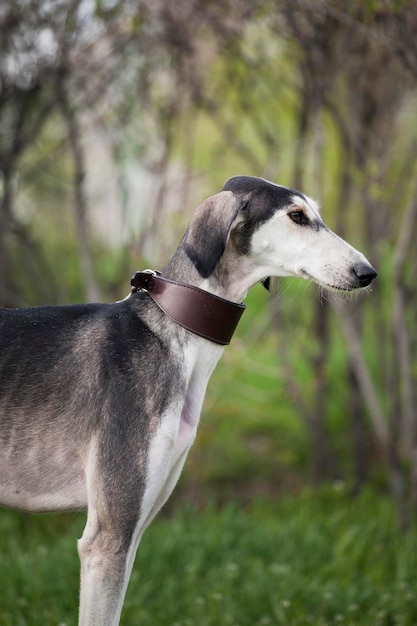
x,y
178,427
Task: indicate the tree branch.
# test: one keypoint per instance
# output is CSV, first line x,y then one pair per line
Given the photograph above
x,y
363,375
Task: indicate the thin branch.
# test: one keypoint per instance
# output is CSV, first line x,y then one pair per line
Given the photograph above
x,y
363,374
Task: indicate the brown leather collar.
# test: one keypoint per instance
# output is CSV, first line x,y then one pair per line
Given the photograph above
x,y
198,311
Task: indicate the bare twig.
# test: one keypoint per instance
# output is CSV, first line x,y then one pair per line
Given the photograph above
x,y
363,374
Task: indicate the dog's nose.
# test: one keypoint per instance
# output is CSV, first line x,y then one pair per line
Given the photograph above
x,y
364,273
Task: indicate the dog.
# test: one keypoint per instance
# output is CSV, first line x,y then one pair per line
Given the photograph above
x,y
100,403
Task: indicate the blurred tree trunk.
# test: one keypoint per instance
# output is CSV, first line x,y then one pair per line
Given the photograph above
x,y
326,466
359,435
23,113
7,298
69,113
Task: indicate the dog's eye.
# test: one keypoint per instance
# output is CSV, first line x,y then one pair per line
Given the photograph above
x,y
298,217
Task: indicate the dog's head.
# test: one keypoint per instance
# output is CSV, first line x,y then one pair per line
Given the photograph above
x,y
276,231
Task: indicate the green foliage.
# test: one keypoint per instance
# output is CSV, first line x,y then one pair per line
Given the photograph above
x,y
320,559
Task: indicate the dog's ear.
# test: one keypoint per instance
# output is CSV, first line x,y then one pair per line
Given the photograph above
x,y
209,230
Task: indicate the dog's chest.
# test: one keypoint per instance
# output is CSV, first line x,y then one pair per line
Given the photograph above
x,y
200,364
180,421
177,428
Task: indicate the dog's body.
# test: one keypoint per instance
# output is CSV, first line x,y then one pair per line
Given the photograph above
x,y
99,403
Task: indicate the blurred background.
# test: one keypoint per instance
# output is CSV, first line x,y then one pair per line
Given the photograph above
x,y
118,117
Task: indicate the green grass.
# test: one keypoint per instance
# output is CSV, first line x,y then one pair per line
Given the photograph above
x,y
320,559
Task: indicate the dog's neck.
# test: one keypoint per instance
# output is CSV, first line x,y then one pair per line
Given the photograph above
x,y
231,279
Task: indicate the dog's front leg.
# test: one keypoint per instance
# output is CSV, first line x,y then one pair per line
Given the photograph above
x,y
123,499
107,554
115,482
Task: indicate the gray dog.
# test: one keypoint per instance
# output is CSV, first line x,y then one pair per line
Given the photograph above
x,y
99,403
